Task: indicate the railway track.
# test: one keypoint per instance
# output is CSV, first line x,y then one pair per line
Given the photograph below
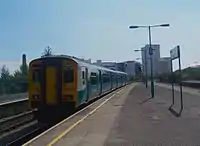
x,y
26,136
30,131
11,126
10,123
11,108
18,129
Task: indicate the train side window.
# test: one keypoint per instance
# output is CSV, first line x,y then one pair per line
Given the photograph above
x,y
36,76
112,77
69,75
83,75
104,78
118,78
93,78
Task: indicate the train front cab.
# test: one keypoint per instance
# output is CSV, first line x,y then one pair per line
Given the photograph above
x,y
52,87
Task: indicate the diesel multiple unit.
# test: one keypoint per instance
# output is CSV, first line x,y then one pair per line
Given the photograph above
x,y
61,84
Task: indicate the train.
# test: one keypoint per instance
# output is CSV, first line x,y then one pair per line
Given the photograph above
x,y
59,84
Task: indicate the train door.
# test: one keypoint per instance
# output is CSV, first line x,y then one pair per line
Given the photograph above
x,y
111,80
117,80
87,85
100,82
51,85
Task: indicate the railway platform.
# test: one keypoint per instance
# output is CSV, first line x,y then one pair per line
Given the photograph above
x,y
129,117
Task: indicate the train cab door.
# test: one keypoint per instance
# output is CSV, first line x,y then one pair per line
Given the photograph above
x,y
51,85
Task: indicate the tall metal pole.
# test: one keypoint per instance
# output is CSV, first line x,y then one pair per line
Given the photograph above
x,y
151,61
145,61
180,80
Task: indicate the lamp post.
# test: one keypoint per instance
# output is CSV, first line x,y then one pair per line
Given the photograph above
x,y
150,50
145,65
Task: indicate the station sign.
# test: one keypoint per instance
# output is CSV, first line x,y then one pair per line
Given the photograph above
x,y
175,53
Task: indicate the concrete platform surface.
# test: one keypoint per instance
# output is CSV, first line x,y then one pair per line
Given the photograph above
x,y
95,130
130,117
144,121
53,134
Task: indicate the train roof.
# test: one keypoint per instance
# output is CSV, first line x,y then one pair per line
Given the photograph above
x,y
80,62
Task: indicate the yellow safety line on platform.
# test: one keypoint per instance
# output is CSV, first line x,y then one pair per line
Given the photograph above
x,y
78,122
119,91
35,138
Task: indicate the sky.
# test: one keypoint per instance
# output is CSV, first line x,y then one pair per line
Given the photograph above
x,y
96,29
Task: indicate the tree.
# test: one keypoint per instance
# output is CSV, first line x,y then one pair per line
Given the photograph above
x,y
5,79
47,51
14,83
17,74
24,69
5,74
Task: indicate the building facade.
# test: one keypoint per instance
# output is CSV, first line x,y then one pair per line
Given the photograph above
x,y
161,65
138,69
132,68
121,66
110,65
